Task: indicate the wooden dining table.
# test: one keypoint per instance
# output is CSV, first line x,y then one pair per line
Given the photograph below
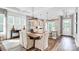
x,y
34,36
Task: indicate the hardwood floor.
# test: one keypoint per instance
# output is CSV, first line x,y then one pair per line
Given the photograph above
x,y
66,44
62,44
51,44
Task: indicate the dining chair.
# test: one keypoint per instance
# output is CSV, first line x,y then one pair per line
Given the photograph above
x,y
25,41
23,38
42,43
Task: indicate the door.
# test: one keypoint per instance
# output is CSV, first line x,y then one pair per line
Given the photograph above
x,y
67,27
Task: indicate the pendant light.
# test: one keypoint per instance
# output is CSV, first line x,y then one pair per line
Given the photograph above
x,y
47,16
65,13
32,12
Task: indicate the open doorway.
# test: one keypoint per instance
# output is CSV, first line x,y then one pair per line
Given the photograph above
x,y
67,26
53,28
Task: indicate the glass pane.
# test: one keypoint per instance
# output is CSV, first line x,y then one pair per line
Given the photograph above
x,y
1,28
51,26
10,19
1,23
20,20
23,21
66,27
16,20
10,26
66,23
1,18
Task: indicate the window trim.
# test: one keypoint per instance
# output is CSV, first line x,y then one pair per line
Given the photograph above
x,y
52,27
4,24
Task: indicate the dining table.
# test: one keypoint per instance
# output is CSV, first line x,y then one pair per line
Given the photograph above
x,y
34,36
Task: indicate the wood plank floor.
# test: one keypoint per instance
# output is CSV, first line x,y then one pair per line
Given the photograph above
x,y
62,44
66,44
51,44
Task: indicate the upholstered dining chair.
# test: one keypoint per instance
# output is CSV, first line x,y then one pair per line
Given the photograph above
x,y
42,43
23,38
29,43
25,41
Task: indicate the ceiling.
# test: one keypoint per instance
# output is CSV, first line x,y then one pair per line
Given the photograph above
x,y
43,12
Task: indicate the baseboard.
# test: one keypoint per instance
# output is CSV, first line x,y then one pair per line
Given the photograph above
x,y
68,36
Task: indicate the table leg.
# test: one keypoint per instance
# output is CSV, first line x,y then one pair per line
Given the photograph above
x,y
33,43
33,48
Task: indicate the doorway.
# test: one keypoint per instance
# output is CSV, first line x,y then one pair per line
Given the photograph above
x,y
67,27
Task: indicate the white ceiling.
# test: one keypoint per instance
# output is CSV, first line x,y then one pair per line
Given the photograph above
x,y
41,12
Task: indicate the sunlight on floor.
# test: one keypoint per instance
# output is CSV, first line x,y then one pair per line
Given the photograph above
x,y
9,44
67,43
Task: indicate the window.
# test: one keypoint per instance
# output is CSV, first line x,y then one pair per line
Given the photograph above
x,y
66,23
2,23
51,26
10,22
67,26
17,21
23,21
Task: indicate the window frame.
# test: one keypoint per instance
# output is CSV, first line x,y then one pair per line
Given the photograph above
x,y
4,24
52,25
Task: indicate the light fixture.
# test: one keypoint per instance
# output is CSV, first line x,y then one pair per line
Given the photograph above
x,y
39,14
47,15
65,14
32,12
33,17
76,9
